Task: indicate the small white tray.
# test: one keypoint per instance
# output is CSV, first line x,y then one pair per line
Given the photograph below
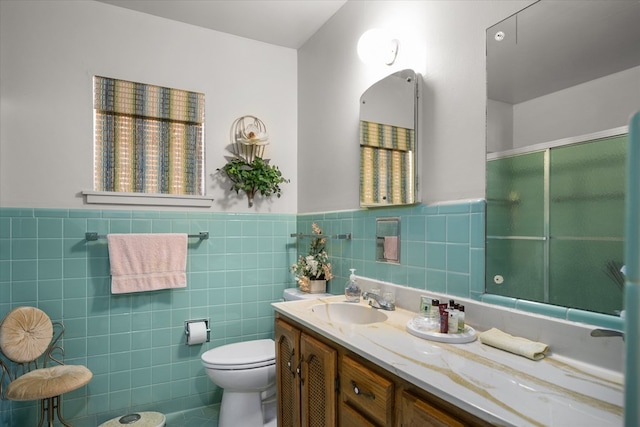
x,y
469,335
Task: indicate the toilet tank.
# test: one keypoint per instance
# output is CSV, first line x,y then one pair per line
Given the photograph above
x,y
294,294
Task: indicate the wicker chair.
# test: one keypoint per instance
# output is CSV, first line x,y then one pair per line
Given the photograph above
x,y
28,344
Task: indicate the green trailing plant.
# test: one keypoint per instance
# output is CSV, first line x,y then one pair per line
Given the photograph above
x,y
255,177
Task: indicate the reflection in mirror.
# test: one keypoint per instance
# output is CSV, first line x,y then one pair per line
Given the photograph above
x,y
388,240
388,135
562,82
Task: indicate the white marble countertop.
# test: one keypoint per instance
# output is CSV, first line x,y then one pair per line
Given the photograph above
x,y
497,386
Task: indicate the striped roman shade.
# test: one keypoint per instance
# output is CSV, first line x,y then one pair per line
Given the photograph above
x,y
148,139
386,164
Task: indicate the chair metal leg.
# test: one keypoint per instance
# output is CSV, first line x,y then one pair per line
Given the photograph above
x,y
42,410
58,400
50,405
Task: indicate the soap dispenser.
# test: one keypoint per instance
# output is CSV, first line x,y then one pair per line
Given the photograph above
x,y
352,290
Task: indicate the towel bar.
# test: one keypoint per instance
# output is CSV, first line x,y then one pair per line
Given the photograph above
x,y
332,236
90,236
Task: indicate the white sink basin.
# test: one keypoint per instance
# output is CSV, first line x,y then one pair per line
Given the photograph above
x,y
346,312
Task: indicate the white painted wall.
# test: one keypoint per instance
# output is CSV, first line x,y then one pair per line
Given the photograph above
x,y
442,40
49,52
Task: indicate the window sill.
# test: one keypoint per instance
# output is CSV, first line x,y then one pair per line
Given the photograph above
x,y
146,199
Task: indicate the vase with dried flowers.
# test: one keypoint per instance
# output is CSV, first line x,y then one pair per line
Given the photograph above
x,y
314,270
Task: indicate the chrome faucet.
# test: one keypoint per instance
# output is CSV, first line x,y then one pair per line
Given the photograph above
x,y
376,301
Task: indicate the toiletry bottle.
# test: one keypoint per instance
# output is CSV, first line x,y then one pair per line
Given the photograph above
x,y
461,319
444,318
434,313
452,327
352,290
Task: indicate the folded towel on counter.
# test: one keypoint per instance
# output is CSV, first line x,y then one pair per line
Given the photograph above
x,y
147,262
521,346
391,248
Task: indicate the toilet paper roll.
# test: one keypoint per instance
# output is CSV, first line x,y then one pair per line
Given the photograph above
x,y
196,332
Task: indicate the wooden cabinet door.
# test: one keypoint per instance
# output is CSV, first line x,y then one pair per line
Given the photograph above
x,y
287,377
415,412
318,380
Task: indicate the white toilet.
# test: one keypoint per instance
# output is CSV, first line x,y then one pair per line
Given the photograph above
x,y
246,371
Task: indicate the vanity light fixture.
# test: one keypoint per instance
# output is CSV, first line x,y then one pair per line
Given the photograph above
x,y
377,46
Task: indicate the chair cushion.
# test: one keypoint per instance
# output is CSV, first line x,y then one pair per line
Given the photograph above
x,y
25,333
48,382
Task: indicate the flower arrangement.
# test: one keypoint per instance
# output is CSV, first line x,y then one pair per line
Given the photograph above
x,y
314,266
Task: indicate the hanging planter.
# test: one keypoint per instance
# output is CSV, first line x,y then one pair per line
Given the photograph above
x,y
247,169
253,178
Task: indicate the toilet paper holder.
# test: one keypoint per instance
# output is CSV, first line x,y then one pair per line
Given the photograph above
x,y
186,328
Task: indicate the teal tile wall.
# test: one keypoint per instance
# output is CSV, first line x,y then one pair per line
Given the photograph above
x,y
135,344
442,247
442,250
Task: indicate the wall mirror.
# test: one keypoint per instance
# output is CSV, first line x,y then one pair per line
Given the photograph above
x,y
562,82
388,135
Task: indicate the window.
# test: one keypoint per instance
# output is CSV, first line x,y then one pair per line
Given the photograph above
x,y
148,139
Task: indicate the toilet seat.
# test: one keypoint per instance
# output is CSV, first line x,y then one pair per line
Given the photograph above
x,y
241,355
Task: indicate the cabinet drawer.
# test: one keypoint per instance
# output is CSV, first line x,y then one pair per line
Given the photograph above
x,y
349,417
369,393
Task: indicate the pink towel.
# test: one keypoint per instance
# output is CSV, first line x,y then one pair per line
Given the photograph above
x,y
146,262
391,248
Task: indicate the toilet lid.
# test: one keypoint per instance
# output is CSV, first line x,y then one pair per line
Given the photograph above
x,y
248,353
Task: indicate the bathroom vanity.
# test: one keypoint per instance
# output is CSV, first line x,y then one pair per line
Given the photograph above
x,y
334,371
327,385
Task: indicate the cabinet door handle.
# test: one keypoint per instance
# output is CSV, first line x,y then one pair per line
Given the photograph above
x,y
359,392
289,365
